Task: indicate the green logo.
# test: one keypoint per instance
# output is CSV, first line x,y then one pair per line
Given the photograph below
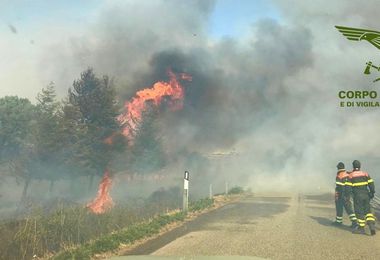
x,y
356,34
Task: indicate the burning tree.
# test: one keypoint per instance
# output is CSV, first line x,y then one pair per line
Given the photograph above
x,y
140,124
146,153
133,109
137,130
95,100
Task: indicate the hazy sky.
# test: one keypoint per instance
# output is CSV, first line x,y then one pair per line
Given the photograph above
x,y
29,29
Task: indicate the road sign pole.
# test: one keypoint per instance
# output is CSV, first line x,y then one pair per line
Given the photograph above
x,y
185,205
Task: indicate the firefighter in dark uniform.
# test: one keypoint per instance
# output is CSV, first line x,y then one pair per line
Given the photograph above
x,y
342,198
362,188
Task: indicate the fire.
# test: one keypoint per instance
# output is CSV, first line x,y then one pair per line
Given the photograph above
x,y
129,119
103,200
134,108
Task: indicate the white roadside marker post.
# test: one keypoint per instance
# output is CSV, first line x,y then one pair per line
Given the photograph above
x,y
185,206
226,192
210,191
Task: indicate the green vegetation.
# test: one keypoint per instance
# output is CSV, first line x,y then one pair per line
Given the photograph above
x,y
201,204
54,140
67,226
125,236
236,190
129,234
147,154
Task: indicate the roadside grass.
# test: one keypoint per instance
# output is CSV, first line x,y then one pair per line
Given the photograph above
x,y
112,241
234,190
45,233
130,234
201,204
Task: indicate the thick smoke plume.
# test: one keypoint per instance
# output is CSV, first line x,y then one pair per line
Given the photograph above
x,y
270,97
262,109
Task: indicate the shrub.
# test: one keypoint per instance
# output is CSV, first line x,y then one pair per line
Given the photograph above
x,y
236,190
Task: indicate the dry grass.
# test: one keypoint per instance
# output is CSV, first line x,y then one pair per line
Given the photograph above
x,y
41,233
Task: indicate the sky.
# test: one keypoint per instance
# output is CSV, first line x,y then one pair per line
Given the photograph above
x,y
231,19
28,27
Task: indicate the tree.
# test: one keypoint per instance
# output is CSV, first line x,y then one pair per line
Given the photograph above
x,y
16,118
17,121
47,162
72,130
147,154
95,101
48,140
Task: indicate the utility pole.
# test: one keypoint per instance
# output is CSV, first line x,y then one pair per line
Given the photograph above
x,y
185,205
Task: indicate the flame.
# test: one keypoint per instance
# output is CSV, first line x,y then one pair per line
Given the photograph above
x,y
129,119
103,200
133,109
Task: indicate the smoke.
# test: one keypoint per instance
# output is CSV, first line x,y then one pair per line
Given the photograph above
x,y
267,101
271,96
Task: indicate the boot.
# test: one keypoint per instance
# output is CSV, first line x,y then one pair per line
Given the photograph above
x,y
354,225
359,230
336,223
372,229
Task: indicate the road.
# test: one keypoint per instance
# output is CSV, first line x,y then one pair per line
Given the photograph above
x,y
281,227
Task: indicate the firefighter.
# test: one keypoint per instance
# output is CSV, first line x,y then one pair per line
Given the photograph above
x,y
362,188
342,198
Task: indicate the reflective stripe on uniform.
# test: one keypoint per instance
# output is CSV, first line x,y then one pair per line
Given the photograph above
x,y
360,183
348,183
370,217
339,183
361,222
370,180
339,217
352,217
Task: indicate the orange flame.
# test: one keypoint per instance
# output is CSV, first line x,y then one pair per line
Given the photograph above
x,y
103,200
130,118
135,107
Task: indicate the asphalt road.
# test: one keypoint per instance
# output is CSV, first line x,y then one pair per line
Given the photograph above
x,y
281,227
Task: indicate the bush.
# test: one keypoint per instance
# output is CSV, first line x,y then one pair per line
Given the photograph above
x,y
201,204
236,190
